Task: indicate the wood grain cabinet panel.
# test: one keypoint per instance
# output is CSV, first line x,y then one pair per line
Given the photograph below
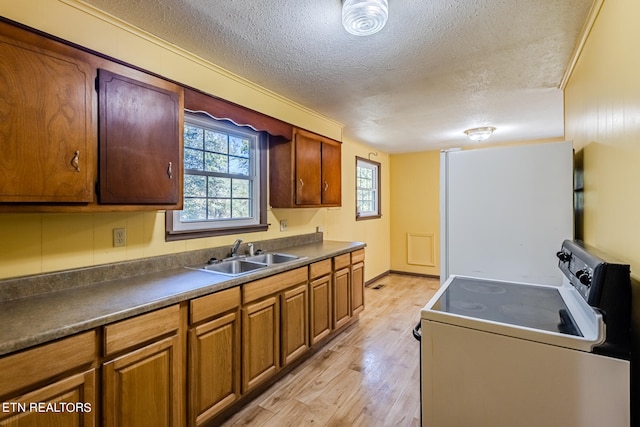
x,y
54,373
143,388
341,297
321,308
47,130
295,328
331,173
214,356
260,341
72,402
305,172
141,139
357,288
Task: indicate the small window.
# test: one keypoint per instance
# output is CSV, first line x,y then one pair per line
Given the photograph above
x,y
224,173
367,189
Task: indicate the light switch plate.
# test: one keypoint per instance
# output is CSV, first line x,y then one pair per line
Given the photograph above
x,y
283,225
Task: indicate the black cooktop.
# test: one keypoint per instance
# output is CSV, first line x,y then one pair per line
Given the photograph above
x,y
531,306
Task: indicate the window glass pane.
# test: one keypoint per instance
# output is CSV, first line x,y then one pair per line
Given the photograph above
x,y
195,186
238,166
239,146
215,141
194,210
240,208
367,188
192,159
240,188
219,187
221,175
216,162
192,136
219,208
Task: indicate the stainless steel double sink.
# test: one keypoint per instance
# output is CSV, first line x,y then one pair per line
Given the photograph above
x,y
238,266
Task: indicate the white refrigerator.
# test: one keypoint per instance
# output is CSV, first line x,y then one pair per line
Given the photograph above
x,y
505,211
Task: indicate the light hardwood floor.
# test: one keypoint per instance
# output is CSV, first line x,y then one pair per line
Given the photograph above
x,y
367,376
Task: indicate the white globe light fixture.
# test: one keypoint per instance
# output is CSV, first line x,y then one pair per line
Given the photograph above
x,y
364,17
479,134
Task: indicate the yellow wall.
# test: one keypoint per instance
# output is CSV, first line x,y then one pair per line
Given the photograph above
x,y
602,117
37,243
415,187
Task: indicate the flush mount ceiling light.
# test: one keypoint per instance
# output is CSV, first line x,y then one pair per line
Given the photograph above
x,y
364,17
479,134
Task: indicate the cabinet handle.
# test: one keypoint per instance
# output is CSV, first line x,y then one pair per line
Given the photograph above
x,y
301,183
326,186
170,170
75,162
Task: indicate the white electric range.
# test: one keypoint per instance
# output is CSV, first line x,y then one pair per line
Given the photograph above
x,y
497,353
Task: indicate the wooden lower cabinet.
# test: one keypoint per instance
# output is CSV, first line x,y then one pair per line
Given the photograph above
x,y
144,387
295,324
236,340
142,384
357,288
321,308
68,402
275,324
40,383
214,355
260,341
341,297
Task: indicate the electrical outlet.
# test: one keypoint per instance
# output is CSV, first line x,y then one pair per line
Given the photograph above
x,y
119,237
283,225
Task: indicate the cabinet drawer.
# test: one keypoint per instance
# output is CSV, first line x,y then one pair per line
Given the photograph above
x,y
341,261
271,285
318,269
28,367
128,333
357,256
211,305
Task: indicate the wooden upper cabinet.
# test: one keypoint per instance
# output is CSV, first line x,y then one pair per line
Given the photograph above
x,y
331,174
305,172
308,170
47,129
140,139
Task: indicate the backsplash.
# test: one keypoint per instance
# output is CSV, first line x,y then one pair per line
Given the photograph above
x,y
21,287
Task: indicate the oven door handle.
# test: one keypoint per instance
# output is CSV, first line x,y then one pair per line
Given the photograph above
x,y
417,331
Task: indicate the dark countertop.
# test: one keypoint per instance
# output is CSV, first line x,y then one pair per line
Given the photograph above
x,y
36,319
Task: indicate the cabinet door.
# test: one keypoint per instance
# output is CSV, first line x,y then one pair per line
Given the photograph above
x,y
320,308
47,130
357,288
140,140
214,367
295,325
260,341
144,387
341,297
76,392
308,170
331,174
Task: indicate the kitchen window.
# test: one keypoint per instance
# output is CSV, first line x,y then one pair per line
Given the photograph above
x,y
367,189
224,180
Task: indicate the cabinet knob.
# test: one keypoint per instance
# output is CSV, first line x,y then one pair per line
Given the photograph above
x,y
75,162
326,186
301,183
170,170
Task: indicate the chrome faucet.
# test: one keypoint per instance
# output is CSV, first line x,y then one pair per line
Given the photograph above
x,y
234,248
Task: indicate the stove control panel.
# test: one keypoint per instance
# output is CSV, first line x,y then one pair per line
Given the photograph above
x,y
605,283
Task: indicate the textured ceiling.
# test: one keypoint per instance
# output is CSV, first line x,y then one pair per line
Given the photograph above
x,y
437,68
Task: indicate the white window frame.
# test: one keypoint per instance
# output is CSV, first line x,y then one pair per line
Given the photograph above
x,y
375,191
256,217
